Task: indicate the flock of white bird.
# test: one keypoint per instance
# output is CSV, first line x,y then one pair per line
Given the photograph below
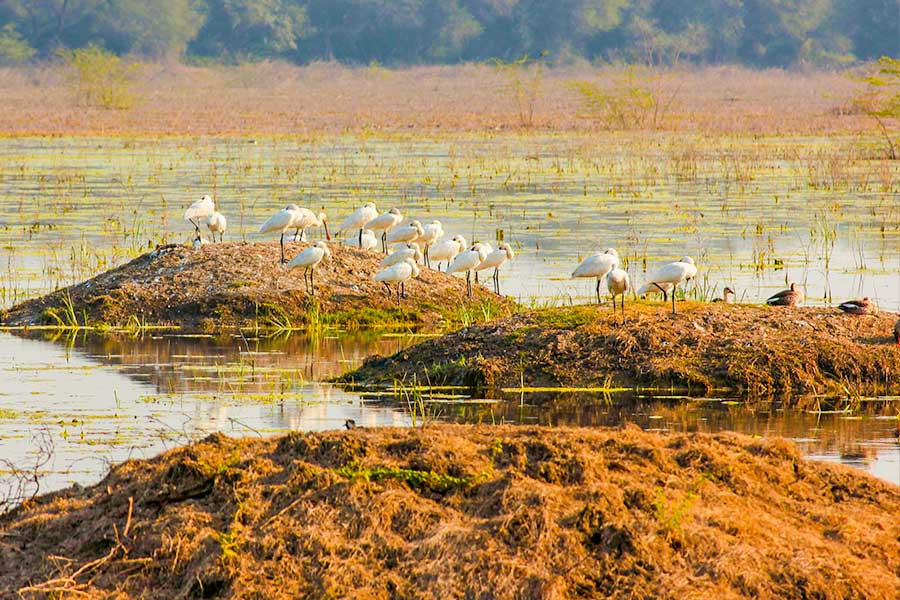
x,y
412,242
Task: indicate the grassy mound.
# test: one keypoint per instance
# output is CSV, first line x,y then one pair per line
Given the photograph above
x,y
243,284
453,511
706,347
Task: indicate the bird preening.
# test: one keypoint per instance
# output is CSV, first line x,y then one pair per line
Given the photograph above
x,y
201,209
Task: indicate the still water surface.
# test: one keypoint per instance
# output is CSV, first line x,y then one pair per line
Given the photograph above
x,y
99,399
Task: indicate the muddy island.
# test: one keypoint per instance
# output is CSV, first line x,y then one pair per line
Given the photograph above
x,y
705,348
463,511
243,285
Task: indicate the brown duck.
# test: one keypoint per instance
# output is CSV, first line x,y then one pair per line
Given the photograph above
x,y
791,297
897,332
859,307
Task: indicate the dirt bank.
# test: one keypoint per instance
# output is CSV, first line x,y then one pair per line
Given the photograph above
x,y
243,284
746,349
454,511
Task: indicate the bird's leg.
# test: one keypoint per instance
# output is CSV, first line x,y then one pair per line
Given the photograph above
x,y
598,291
398,294
388,288
469,284
674,289
497,280
384,241
664,293
476,276
360,239
425,258
283,259
312,282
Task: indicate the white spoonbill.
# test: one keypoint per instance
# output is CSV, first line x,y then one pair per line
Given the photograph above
x,y
467,261
399,273
359,218
368,240
448,249
284,219
597,266
383,223
669,276
405,233
410,250
496,259
216,223
618,283
309,259
200,209
430,234
306,218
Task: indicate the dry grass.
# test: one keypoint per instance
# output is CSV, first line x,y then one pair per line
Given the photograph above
x,y
463,512
275,98
706,347
243,285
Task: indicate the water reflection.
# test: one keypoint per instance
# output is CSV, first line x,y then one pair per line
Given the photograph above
x,y
100,399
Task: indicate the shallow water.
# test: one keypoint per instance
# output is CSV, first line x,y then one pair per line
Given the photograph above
x,y
756,213
85,401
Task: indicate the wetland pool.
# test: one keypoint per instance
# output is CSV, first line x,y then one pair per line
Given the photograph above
x,y
755,212
83,401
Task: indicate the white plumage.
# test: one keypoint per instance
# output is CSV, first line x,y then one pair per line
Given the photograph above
x,y
495,260
430,234
284,219
309,259
405,233
467,261
447,250
399,273
400,254
360,217
668,277
618,283
200,209
598,266
306,218
216,223
368,240
383,223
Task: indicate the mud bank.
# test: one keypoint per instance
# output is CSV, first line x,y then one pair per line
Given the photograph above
x,y
243,285
455,511
705,348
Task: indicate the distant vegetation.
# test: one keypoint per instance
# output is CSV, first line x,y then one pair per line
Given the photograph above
x,y
760,33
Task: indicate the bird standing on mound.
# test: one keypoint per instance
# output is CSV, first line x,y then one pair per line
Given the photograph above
x,y
618,284
368,240
284,219
598,266
430,234
496,259
399,273
859,307
467,261
790,297
410,250
447,250
200,209
410,232
309,259
668,277
216,223
383,223
304,219
359,218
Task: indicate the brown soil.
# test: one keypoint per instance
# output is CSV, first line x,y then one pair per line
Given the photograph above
x,y
706,347
243,284
463,512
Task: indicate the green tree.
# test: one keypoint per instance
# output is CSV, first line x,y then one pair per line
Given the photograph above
x,y
880,99
237,29
13,48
